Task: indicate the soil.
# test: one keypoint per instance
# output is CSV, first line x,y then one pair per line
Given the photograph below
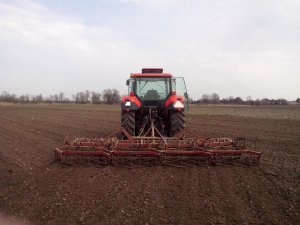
x,y
37,191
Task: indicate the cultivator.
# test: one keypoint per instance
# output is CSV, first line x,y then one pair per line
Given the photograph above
x,y
185,149
153,131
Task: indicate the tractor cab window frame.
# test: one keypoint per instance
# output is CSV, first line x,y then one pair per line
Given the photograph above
x,y
173,84
130,83
152,88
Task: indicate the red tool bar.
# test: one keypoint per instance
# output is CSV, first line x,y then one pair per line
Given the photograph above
x,y
78,152
233,152
135,153
186,152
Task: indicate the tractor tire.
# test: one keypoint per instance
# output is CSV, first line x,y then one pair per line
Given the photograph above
x,y
128,122
177,122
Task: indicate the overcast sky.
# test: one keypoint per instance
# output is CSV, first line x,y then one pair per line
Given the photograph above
x,y
233,48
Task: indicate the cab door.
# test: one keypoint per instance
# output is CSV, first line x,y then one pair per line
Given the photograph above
x,y
181,91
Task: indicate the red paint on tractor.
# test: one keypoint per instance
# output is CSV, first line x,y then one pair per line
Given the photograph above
x,y
173,99
133,99
151,75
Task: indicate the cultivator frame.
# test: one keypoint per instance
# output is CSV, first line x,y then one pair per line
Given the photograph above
x,y
185,149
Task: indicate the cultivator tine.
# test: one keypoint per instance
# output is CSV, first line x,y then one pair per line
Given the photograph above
x,y
181,161
134,161
186,157
92,161
236,157
185,149
77,160
83,155
127,158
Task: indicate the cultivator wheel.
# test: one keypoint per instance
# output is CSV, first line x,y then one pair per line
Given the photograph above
x,y
186,148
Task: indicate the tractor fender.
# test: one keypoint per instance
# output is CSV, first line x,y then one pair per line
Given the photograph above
x,y
130,103
171,100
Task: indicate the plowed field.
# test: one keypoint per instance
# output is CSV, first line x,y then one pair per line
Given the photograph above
x,y
35,190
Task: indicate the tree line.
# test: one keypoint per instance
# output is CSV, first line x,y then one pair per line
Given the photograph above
x,y
214,98
108,96
112,96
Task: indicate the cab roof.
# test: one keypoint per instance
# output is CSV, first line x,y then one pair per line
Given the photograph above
x,y
151,75
151,72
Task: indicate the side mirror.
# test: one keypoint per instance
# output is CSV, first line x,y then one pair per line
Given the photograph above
x,y
127,82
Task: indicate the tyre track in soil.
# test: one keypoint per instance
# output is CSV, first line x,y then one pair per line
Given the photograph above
x,y
47,194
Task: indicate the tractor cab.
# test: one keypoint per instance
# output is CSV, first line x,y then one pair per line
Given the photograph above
x,y
153,87
155,99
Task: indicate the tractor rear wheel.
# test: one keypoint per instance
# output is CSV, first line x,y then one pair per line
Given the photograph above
x,y
128,122
177,122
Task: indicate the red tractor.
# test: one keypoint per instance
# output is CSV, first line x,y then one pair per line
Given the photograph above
x,y
153,131
154,98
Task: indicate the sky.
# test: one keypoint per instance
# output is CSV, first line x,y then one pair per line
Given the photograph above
x,y
230,47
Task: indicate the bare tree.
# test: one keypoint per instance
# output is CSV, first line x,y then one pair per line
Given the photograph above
x,y
214,98
87,96
22,99
39,98
189,98
249,100
257,102
107,96
66,100
282,101
111,96
116,97
230,99
96,97
7,97
61,96
56,98
27,98
80,97
238,100
205,99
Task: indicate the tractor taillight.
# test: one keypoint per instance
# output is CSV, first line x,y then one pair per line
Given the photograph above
x,y
131,93
178,105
